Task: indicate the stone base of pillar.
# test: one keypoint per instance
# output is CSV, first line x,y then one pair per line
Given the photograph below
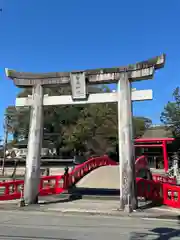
x,y
121,206
33,201
21,203
128,208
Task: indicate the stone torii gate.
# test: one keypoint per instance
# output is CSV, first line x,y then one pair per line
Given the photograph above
x,y
123,76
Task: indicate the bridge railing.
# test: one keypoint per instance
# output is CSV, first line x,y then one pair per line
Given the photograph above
x,y
15,189
164,179
171,195
149,190
159,190
81,170
11,190
54,184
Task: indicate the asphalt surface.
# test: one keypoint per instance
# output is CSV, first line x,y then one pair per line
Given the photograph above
x,y
55,226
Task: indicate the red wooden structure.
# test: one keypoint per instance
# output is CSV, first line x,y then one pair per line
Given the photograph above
x,y
161,189
156,142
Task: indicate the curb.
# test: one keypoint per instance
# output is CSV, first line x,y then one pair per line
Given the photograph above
x,y
172,210
87,212
38,209
115,213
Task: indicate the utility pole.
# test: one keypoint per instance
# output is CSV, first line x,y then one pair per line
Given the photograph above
x,y
6,121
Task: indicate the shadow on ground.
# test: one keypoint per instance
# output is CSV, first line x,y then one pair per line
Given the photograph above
x,y
96,193
58,199
157,234
81,193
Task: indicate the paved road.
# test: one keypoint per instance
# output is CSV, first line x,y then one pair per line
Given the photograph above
x,y
54,226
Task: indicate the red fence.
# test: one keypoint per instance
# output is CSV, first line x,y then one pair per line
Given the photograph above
x,y
171,195
54,184
158,190
149,190
164,179
48,185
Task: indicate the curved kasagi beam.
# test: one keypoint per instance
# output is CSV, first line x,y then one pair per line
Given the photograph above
x,y
138,71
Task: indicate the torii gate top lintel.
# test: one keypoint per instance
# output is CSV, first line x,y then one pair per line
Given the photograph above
x,y
138,71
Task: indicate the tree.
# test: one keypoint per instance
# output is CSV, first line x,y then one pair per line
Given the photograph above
x,y
171,114
95,128
55,118
140,124
1,141
74,127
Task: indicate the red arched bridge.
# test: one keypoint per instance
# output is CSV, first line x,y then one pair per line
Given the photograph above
x,y
155,188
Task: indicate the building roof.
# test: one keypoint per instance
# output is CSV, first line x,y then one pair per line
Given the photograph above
x,y
157,132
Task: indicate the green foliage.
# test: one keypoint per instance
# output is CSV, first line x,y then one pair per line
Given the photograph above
x,y
171,114
74,127
95,128
140,124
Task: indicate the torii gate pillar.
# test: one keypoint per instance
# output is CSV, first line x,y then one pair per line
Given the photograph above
x,y
32,176
121,75
128,200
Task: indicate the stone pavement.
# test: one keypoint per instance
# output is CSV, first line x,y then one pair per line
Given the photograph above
x,y
106,207
92,207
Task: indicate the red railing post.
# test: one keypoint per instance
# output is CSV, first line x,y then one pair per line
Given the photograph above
x,y
66,179
165,155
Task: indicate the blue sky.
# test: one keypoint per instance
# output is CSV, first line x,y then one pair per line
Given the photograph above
x,y
57,35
